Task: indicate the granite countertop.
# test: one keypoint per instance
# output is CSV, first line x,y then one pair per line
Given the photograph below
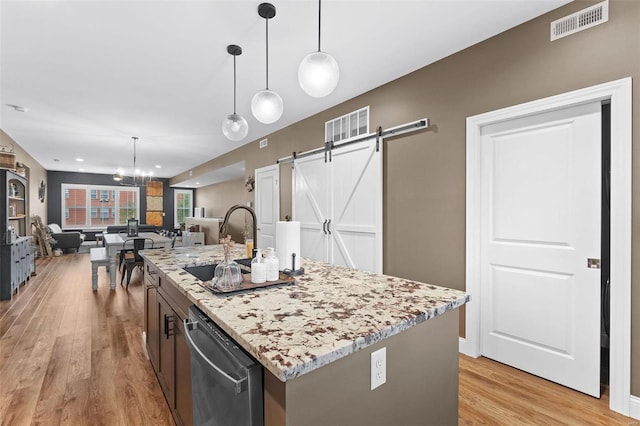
x,y
329,313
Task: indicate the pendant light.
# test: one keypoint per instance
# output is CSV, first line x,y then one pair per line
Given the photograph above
x,y
318,73
267,105
235,127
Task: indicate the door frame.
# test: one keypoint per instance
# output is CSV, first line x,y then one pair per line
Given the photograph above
x,y
620,94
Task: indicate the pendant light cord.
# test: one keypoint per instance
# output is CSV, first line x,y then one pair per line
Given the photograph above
x,y
234,85
134,159
319,15
267,55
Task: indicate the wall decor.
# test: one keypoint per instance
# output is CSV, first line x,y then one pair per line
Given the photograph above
x,y
42,191
154,203
250,183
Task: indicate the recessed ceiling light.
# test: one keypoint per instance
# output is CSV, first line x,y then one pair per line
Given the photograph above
x,y
81,170
158,166
197,183
79,160
18,108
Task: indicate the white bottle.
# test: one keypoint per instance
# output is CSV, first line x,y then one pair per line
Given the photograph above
x,y
273,265
258,269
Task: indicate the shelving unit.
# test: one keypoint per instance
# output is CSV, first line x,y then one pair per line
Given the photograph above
x,y
16,249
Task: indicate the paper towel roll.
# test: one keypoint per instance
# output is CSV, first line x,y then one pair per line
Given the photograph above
x,y
288,242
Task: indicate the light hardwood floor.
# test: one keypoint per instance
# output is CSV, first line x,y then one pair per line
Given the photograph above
x,y
72,356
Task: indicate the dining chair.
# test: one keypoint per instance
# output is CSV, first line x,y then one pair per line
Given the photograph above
x,y
132,258
122,252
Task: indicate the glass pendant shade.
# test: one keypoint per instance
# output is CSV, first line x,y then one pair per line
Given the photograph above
x,y
235,127
267,106
318,74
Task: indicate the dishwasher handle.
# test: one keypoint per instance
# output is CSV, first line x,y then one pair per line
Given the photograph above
x,y
240,385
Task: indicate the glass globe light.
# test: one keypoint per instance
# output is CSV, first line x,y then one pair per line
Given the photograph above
x,y
235,127
267,106
318,74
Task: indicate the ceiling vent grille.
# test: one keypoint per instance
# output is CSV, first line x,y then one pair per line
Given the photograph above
x,y
586,18
348,126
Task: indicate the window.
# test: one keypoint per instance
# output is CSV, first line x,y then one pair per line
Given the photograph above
x,y
98,206
183,205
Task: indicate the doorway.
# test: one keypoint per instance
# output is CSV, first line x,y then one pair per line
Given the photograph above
x,y
267,201
619,95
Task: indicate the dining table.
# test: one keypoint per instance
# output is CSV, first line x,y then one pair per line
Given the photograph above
x,y
116,242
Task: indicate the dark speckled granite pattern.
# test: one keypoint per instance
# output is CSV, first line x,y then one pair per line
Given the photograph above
x,y
329,313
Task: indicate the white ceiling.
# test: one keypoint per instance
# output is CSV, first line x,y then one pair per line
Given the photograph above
x,y
95,73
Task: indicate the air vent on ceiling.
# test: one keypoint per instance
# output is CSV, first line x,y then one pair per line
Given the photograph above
x,y
350,125
586,18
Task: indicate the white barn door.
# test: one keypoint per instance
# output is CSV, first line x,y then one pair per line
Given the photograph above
x,y
356,219
540,225
339,206
311,187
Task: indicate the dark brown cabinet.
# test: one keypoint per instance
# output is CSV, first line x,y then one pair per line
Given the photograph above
x,y
151,321
165,308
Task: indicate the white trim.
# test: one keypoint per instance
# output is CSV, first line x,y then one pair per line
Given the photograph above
x,y
634,407
619,92
464,347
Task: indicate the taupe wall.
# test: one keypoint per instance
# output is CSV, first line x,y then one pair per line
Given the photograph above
x,y
424,186
217,199
37,174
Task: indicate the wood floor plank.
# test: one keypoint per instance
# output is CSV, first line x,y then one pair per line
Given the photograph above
x,y
491,393
51,396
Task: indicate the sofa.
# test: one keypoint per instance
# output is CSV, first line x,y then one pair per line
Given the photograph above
x,y
115,229
65,240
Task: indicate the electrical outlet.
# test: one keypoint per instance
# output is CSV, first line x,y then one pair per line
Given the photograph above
x,y
378,368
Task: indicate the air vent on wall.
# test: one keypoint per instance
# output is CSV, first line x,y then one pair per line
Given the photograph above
x,y
586,18
350,125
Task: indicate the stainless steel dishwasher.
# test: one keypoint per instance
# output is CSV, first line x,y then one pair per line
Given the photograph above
x,y
226,382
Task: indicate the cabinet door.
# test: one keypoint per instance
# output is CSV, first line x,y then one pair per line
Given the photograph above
x,y
184,408
311,205
165,371
152,323
15,266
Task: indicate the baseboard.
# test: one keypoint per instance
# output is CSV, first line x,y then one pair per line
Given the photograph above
x,y
634,407
465,348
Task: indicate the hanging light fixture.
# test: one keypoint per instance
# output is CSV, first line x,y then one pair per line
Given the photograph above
x,y
318,73
119,177
235,127
267,105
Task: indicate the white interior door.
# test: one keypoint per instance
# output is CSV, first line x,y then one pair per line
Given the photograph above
x,y
356,217
540,224
311,208
267,205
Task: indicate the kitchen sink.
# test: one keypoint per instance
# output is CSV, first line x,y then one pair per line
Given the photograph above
x,y
202,272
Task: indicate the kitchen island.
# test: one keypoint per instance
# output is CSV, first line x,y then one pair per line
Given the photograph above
x,y
315,339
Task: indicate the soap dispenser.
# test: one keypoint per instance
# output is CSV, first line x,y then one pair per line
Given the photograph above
x,y
273,265
258,269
